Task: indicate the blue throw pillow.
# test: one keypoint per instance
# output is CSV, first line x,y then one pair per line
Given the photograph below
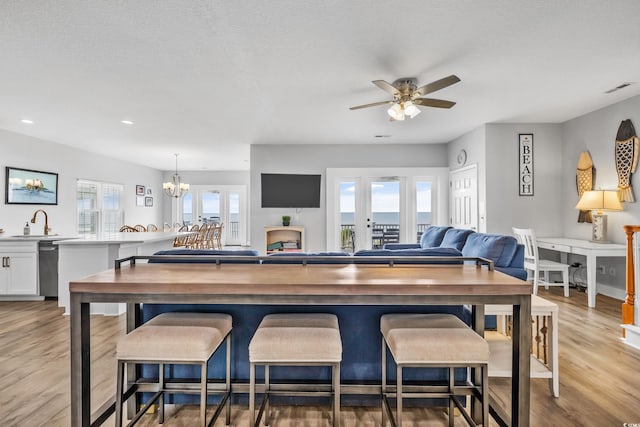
x,y
496,247
432,236
455,238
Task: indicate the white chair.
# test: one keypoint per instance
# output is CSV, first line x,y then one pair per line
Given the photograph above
x,y
532,262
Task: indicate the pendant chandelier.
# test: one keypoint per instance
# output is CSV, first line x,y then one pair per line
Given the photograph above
x,y
176,188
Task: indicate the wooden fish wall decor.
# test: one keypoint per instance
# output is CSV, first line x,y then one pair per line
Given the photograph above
x,y
585,174
626,152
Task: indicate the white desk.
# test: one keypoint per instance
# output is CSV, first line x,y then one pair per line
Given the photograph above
x,y
587,248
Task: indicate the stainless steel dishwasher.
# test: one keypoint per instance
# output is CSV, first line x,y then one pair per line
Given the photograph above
x,y
48,268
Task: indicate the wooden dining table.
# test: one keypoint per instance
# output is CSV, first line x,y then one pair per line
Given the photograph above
x,y
296,284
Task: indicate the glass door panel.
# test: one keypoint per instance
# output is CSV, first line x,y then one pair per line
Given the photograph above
x,y
423,207
347,208
209,207
187,210
231,230
384,218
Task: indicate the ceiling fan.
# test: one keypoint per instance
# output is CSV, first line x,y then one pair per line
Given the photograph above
x,y
407,96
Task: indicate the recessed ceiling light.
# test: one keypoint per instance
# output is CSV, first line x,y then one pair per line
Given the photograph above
x,y
126,122
27,121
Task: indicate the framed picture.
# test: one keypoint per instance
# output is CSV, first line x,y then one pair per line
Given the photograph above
x,y
139,200
525,160
139,190
149,191
30,187
148,201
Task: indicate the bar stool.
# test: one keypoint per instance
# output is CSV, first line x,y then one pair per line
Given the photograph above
x,y
176,338
300,339
433,341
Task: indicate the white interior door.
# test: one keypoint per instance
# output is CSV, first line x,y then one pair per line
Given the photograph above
x,y
463,196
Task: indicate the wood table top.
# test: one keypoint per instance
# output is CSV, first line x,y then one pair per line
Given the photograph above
x,y
312,279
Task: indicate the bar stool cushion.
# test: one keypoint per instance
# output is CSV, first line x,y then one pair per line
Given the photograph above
x,y
221,322
419,320
437,345
172,344
433,338
301,320
297,338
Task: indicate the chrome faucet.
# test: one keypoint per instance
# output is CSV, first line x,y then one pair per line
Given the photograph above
x,y
46,221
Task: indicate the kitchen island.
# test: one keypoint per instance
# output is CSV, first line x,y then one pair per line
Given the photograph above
x,y
85,256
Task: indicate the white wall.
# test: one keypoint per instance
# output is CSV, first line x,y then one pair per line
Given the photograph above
x,y
314,159
505,207
72,164
596,132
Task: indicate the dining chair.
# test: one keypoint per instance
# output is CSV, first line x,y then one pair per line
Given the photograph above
x,y
127,229
152,227
140,227
167,227
532,262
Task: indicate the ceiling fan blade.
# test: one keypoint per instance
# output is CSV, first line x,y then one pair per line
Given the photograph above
x,y
437,85
387,87
430,102
374,104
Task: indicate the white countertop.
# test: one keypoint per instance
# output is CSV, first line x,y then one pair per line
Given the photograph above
x,y
119,238
34,238
115,238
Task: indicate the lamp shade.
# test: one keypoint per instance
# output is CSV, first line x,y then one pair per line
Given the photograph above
x,y
599,200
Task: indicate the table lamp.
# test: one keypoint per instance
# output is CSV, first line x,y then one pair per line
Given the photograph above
x,y
599,201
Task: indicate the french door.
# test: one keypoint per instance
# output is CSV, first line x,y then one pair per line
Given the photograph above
x,y
224,204
367,208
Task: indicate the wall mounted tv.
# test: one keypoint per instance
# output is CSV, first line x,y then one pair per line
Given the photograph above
x,y
290,190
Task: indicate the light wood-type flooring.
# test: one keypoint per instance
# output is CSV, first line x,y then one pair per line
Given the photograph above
x,y
599,375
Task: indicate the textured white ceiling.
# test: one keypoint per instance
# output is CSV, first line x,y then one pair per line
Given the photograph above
x,y
209,78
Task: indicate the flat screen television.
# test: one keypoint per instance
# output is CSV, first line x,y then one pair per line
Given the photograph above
x,y
290,190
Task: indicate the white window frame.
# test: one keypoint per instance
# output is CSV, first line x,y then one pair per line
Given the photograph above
x,y
99,209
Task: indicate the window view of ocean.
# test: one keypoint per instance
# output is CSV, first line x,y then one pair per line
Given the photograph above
x,y
385,218
233,217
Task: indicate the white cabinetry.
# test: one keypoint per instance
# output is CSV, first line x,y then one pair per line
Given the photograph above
x,y
19,271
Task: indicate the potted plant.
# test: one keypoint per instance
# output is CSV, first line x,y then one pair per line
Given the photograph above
x,y
286,220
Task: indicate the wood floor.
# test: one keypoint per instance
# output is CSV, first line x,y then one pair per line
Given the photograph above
x,y
599,375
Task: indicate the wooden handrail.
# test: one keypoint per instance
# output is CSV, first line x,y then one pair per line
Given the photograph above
x,y
628,304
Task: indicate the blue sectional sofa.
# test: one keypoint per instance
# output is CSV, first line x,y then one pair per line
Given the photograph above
x,y
504,251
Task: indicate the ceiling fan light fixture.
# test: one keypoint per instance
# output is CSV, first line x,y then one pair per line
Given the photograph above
x,y
396,112
411,110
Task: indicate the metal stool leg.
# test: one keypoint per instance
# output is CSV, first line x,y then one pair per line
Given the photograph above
x,y
384,381
161,398
452,376
267,389
252,394
119,387
485,395
336,395
228,379
399,396
203,395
